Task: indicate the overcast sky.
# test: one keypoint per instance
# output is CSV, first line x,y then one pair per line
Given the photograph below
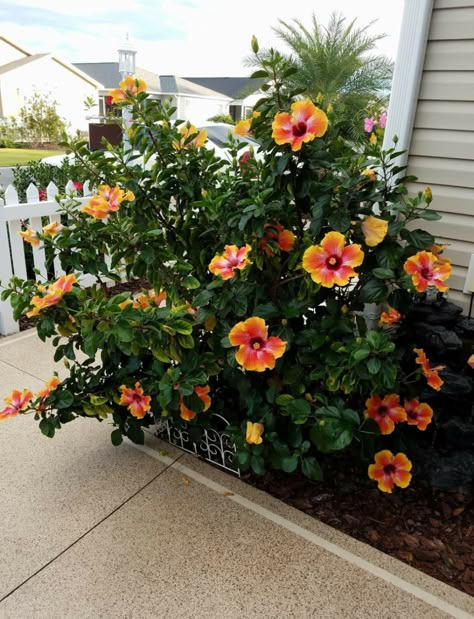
x,y
180,37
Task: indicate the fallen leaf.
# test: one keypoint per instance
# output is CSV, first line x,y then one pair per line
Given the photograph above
x,y
227,493
185,481
163,452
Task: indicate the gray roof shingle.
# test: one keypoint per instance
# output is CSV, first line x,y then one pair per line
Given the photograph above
x,y
107,73
234,87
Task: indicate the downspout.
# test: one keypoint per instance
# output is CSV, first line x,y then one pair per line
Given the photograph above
x,y
404,95
407,75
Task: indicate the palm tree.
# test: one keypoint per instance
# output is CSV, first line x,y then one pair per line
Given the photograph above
x,y
336,65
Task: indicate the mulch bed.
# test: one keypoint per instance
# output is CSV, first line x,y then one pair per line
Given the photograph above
x,y
429,529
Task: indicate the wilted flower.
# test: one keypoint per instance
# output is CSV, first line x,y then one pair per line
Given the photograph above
x,y
431,374
254,432
390,316
374,230
285,239
53,228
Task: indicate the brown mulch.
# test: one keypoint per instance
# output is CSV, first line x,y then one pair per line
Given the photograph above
x,y
429,529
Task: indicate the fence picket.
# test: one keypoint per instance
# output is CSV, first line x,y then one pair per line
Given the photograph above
x,y
12,247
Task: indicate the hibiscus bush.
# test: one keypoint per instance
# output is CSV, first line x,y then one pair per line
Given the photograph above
x,y
262,279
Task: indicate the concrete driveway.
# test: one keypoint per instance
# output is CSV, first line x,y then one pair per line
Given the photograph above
x,y
89,530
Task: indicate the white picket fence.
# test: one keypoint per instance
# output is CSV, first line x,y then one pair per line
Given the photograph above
x,y
12,246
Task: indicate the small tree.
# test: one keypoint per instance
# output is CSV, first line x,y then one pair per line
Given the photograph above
x,y
40,121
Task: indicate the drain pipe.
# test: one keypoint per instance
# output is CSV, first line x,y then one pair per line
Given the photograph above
x,y
407,75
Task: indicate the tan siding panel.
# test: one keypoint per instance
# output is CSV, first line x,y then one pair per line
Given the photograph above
x,y
448,199
449,144
430,170
452,24
459,252
452,4
456,296
447,85
450,55
457,115
452,226
457,279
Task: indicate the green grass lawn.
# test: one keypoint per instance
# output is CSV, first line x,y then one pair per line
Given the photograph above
x,y
12,156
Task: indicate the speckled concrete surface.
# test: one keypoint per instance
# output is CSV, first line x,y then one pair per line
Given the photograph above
x,y
179,549
54,491
93,531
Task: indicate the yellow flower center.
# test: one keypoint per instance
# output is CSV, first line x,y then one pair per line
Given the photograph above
x,y
256,345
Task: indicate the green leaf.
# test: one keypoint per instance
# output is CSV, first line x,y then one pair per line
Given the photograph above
x,y
124,331
116,437
299,410
332,434
418,238
290,463
47,427
374,365
428,215
191,282
136,435
311,469
243,459
63,399
258,465
183,326
373,291
340,220
260,73
294,436
360,354
382,273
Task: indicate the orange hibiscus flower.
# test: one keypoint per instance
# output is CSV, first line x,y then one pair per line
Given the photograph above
x,y
30,236
390,316
203,394
305,123
50,386
17,401
332,262
427,270
431,374
386,412
232,258
257,351
390,470
185,142
285,239
137,403
254,432
129,88
106,200
418,414
54,294
374,230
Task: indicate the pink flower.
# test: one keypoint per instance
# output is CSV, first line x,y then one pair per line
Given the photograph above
x,y
369,124
78,186
42,194
383,120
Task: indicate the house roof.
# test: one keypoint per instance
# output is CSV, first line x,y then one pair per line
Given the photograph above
x,y
108,74
233,87
17,47
16,64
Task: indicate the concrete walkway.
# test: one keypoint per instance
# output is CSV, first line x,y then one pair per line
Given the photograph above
x,y
89,530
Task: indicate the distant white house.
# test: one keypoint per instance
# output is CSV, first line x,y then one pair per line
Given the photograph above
x,y
23,74
193,102
243,91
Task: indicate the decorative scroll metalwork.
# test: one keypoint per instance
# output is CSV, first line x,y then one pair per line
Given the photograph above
x,y
214,446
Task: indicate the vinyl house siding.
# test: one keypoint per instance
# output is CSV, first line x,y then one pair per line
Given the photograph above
x,y
442,144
